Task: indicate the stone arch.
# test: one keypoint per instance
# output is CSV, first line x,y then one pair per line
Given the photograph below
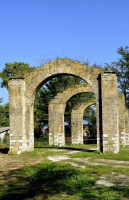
x,y
22,93
56,111
77,116
77,121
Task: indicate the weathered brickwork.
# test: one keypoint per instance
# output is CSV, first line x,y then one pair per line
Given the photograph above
x,y
77,122
23,91
17,119
56,111
126,126
121,109
109,113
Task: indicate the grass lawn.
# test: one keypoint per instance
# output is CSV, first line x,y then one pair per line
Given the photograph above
x,y
122,155
23,177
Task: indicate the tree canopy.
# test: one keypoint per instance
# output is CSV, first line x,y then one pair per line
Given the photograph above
x,y
121,67
16,69
4,115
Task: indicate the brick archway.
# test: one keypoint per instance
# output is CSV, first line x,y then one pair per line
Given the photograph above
x,y
22,93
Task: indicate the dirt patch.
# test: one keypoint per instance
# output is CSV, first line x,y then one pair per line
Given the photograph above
x,y
13,162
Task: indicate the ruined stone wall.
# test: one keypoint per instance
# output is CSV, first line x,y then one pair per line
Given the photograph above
x,y
56,111
108,103
35,79
105,90
77,122
17,113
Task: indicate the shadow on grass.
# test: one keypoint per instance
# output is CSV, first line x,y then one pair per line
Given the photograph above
x,y
68,148
4,150
49,179
45,180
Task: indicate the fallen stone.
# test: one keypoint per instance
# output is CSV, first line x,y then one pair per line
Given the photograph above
x,y
57,158
77,165
103,181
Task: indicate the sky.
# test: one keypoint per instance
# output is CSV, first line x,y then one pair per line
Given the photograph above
x,y
36,31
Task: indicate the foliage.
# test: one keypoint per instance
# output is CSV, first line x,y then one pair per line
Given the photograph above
x,y
90,117
4,115
11,70
122,69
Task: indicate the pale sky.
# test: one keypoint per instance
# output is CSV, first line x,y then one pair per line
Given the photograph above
x,y
33,31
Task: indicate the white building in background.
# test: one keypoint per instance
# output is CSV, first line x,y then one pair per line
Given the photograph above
x,y
4,133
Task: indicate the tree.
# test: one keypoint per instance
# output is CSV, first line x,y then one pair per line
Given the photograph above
x,y
121,67
4,115
16,69
90,117
10,70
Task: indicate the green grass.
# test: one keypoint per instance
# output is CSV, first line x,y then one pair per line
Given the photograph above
x,y
81,146
122,155
46,179
38,143
59,181
55,181
4,145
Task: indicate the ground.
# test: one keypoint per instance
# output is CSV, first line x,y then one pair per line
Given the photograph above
x,y
76,173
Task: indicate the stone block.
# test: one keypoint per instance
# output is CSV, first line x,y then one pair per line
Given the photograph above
x,y
105,135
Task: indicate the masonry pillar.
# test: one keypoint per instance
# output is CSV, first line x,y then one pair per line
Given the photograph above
x,y
76,127
29,124
126,126
108,113
121,111
17,115
77,122
56,124
98,121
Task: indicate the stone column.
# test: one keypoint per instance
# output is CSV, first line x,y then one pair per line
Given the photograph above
x,y
126,126
121,111
56,124
108,113
17,115
98,121
29,124
76,127
77,121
